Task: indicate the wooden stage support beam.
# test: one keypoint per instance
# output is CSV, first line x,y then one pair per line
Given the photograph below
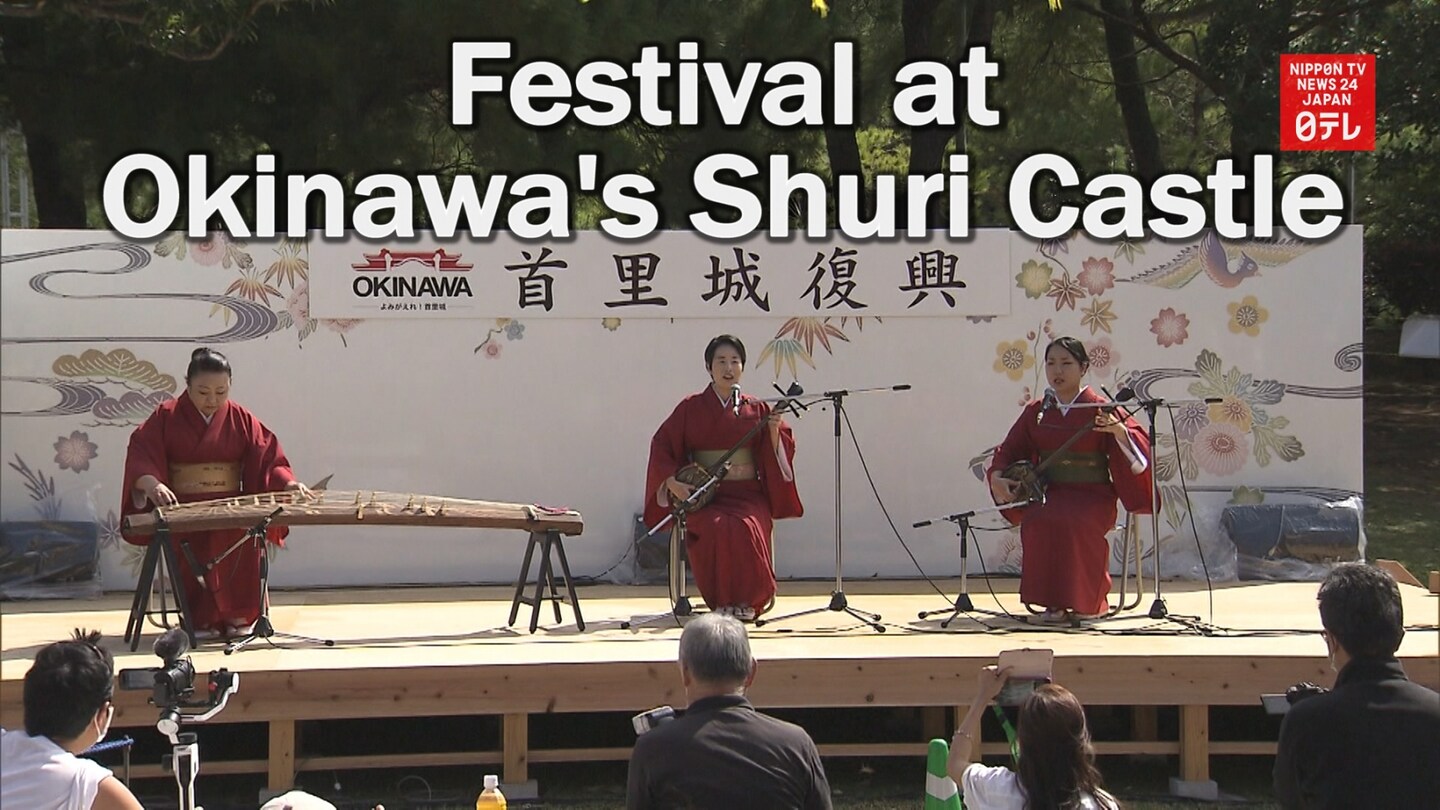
x,y
515,748
282,754
1195,743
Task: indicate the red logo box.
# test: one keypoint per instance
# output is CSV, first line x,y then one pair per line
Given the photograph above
x,y
1327,102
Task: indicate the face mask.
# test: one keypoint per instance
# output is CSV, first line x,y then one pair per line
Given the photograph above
x,y
109,717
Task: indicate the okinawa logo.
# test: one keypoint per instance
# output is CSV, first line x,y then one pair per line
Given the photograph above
x,y
369,283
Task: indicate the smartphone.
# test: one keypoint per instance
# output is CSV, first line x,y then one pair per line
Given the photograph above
x,y
1028,667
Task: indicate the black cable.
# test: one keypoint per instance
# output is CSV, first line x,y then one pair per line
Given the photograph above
x,y
873,489
990,586
590,579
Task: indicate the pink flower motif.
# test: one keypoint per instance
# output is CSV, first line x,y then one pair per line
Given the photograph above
x,y
211,251
491,350
1097,275
1103,356
1220,448
1170,328
298,304
1024,397
75,452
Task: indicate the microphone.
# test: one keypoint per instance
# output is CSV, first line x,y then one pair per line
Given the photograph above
x,y
789,399
1050,402
735,398
172,644
1126,394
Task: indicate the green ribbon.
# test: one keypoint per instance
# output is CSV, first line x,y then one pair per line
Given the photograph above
x,y
1009,733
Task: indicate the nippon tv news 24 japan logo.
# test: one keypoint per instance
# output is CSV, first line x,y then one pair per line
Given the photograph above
x,y
1327,102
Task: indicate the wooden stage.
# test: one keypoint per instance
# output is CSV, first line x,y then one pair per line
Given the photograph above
x,y
427,652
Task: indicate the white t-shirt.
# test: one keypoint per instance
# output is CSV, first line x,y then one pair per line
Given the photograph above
x,y
989,788
37,774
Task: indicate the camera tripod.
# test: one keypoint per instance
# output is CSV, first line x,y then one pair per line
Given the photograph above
x,y
184,761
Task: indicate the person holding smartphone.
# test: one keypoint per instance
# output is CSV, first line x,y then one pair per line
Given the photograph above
x,y
1056,768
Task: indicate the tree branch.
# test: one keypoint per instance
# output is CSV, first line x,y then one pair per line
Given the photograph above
x,y
1142,29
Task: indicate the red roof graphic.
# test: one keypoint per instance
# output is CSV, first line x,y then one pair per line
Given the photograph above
x,y
438,260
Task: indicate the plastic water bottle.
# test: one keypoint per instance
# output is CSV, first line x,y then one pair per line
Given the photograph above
x,y
491,796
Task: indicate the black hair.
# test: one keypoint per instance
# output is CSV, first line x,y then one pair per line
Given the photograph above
x,y
1360,607
69,683
1071,345
723,340
206,360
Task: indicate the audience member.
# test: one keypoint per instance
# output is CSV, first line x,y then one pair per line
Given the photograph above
x,y
1056,768
300,800
721,753
1374,740
67,697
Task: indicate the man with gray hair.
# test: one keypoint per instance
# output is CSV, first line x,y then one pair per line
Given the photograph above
x,y
722,753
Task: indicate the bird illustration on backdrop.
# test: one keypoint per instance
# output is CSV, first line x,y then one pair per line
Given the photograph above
x,y
1226,262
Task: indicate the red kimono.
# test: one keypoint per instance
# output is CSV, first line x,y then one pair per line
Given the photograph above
x,y
1065,561
176,434
728,541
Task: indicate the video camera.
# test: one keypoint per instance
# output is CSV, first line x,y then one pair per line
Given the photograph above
x,y
1280,704
172,685
646,722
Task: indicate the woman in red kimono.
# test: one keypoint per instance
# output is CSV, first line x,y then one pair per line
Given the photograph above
x,y
197,447
1065,565
728,541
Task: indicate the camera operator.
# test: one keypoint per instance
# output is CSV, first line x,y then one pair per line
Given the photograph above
x,y
722,753
67,710
1373,741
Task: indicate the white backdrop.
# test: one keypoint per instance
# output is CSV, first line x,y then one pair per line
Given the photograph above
x,y
556,410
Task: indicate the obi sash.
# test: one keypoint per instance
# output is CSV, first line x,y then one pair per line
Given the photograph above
x,y
1079,468
205,478
705,458
742,464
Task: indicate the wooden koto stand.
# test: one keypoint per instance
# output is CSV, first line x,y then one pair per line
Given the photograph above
x,y
545,525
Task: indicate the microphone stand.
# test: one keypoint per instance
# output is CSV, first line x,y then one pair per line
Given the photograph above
x,y
963,603
679,510
838,602
1158,609
263,627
